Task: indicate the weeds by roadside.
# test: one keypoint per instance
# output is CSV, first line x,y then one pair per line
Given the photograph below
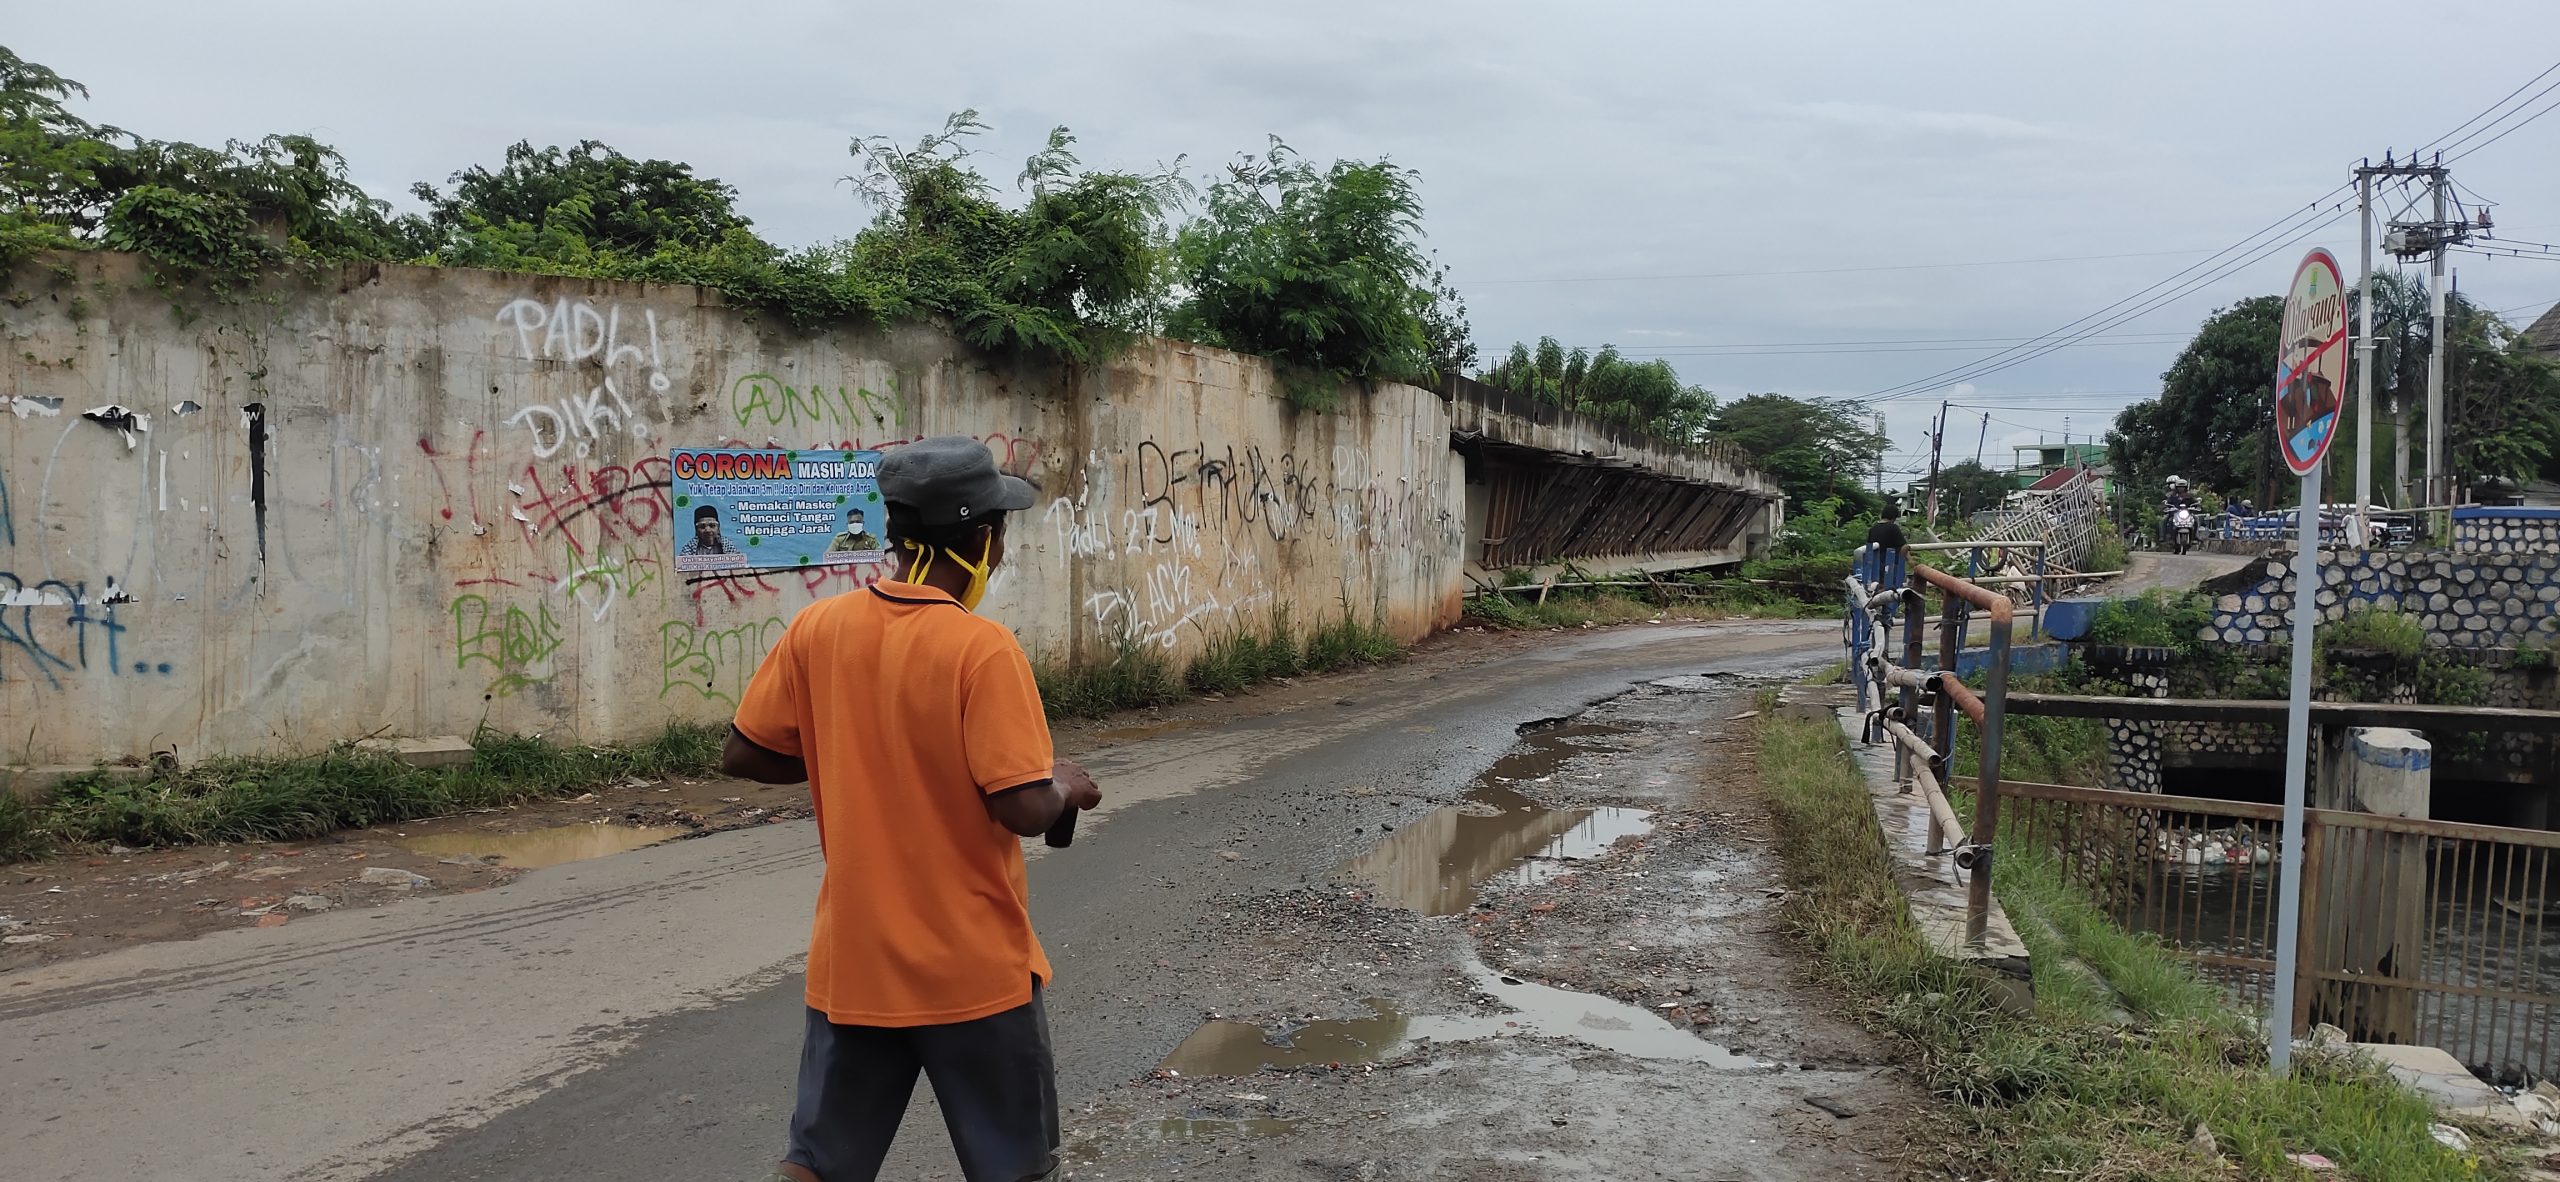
x,y
1574,607
1138,675
2065,1092
257,798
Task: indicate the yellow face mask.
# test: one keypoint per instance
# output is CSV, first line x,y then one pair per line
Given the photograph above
x,y
921,562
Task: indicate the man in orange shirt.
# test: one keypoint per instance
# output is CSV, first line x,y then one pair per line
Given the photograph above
x,y
920,732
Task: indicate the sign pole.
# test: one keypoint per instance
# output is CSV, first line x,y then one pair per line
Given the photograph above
x,y
2310,394
2297,761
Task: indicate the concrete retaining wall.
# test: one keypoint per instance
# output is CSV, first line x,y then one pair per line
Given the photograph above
x,y
406,501
2463,600
2506,530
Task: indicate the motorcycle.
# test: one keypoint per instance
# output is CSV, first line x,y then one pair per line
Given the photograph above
x,y
2182,530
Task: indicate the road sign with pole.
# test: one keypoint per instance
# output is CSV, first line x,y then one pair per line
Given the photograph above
x,y
2311,369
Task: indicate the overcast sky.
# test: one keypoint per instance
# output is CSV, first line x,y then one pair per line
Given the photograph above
x,y
1563,148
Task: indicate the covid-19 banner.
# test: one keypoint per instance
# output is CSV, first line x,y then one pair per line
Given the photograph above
x,y
759,510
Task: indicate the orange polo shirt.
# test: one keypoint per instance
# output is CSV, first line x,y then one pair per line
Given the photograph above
x,y
909,710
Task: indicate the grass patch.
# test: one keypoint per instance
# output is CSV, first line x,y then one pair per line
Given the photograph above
x,y
2065,1092
1139,675
1136,675
1574,607
1237,658
1347,642
2376,630
269,798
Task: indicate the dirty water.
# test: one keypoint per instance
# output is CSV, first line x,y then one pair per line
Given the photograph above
x,y
1228,1047
534,849
1435,865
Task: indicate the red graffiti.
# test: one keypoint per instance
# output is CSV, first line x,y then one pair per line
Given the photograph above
x,y
627,502
746,587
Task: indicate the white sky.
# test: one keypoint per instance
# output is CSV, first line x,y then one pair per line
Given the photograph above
x,y
1560,146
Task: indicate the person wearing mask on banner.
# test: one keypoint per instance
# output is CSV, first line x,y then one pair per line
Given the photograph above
x,y
706,534
919,729
856,536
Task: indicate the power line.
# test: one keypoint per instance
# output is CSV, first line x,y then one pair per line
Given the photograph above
x,y
2161,339
2083,258
2511,128
2547,72
1898,341
2294,228
1965,372
2498,253
2291,224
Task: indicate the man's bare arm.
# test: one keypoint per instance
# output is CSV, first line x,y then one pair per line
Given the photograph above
x,y
1031,809
746,759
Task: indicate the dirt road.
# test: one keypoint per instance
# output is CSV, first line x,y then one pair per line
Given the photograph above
x,y
1445,919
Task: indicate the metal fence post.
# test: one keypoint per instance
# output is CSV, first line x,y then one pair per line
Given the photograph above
x,y
1986,803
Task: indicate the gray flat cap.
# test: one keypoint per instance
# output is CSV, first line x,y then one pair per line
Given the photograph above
x,y
950,479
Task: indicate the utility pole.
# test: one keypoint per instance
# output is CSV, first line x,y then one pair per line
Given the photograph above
x,y
2364,361
2408,240
2437,485
1880,442
1937,440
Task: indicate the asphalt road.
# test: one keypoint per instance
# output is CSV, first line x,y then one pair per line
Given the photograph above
x,y
638,1016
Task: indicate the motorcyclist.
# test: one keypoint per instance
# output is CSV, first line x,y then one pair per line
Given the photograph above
x,y
2179,497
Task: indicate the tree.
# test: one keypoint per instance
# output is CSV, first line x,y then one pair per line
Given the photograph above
x,y
2210,422
1318,269
1967,486
192,209
1648,396
1815,448
2502,403
571,205
1080,269
48,160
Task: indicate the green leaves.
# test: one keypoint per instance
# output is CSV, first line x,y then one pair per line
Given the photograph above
x,y
1319,270
1647,396
1815,448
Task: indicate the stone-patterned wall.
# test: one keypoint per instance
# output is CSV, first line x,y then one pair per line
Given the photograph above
x,y
2506,529
2469,601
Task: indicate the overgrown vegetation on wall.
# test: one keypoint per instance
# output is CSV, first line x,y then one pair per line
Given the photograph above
x,y
1646,395
1318,268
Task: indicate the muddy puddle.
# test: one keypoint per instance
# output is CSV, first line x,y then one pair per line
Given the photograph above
x,y
534,849
1227,1047
1436,865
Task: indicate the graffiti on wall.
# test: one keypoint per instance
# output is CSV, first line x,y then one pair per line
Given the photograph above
x,y
512,644
714,663
577,333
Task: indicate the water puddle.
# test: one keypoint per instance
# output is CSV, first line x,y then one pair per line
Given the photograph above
x,y
1227,1047
534,849
1436,864
1178,1129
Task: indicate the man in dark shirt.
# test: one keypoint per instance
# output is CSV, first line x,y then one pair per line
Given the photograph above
x,y
1885,555
1886,534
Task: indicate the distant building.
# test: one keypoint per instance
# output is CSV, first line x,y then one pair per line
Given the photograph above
x,y
2048,459
2543,335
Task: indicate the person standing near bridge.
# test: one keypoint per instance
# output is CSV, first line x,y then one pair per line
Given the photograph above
x,y
920,732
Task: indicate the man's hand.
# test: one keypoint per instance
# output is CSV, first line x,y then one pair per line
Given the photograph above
x,y
1075,784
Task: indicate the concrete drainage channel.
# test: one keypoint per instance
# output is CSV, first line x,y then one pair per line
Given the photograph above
x,y
1599,908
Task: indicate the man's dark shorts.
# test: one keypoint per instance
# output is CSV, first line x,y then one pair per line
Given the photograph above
x,y
992,1077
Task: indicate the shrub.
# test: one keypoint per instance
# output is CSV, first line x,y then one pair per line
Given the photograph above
x,y
2374,629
